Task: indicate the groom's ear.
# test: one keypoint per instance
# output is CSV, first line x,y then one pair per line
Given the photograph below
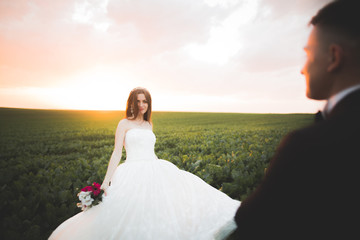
x,y
336,57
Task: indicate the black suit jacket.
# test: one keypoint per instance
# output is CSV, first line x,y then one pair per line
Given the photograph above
x,y
311,187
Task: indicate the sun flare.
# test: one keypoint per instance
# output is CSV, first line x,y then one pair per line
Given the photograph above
x,y
97,89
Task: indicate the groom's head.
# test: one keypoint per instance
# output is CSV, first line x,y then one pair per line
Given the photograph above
x,y
333,50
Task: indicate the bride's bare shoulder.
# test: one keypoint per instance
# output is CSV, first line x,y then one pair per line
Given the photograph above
x,y
124,124
124,121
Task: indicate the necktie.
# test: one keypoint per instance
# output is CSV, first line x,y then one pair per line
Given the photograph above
x,y
319,116
322,115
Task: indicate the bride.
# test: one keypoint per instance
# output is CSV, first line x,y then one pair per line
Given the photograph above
x,y
150,198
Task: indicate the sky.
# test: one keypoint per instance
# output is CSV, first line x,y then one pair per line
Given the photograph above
x,y
240,56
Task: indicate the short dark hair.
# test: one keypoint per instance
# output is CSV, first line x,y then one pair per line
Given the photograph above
x,y
340,17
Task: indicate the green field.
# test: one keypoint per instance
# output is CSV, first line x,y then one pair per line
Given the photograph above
x,y
48,155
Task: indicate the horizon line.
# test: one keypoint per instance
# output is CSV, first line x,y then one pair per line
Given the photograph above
x,y
118,110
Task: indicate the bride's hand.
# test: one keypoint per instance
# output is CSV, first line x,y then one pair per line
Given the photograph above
x,y
104,191
104,187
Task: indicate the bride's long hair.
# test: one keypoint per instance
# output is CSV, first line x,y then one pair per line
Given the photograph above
x,y
132,109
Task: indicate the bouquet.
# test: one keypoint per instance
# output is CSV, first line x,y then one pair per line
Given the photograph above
x,y
90,196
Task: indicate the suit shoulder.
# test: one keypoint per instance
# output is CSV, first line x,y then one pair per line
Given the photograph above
x,y
302,134
302,140
311,133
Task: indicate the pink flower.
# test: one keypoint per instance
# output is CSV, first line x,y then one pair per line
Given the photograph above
x,y
88,195
96,185
87,189
96,188
96,192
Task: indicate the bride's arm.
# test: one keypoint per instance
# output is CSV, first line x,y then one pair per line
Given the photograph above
x,y
116,155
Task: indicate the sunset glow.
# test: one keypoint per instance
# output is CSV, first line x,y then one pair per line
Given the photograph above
x,y
101,89
209,55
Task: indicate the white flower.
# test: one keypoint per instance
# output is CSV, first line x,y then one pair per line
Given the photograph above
x,y
82,195
87,202
85,198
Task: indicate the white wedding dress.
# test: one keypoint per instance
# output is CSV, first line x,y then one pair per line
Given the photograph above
x,y
150,198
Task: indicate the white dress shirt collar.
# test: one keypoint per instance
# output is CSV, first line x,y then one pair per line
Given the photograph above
x,y
333,100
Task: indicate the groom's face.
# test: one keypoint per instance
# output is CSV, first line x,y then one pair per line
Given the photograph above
x,y
315,68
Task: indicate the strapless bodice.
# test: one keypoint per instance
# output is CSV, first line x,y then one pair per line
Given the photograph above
x,y
140,144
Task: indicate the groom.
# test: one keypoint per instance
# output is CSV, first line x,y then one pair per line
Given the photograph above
x,y
311,187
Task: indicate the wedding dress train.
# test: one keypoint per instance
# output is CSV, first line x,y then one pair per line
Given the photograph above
x,y
150,198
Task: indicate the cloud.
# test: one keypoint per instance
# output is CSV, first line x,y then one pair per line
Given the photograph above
x,y
236,49
283,8
275,39
43,41
53,38
13,10
159,26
